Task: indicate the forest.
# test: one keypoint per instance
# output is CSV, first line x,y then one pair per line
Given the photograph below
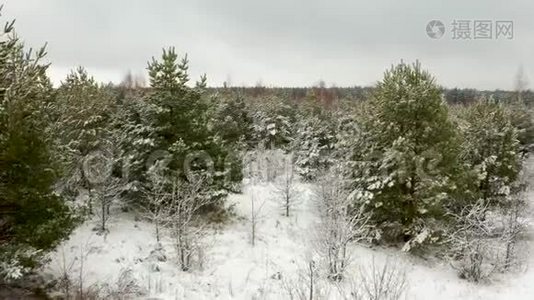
x,y
172,189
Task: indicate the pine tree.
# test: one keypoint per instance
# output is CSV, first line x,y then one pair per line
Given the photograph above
x,y
182,124
414,154
33,218
273,118
84,109
234,122
492,148
522,118
133,131
82,129
314,139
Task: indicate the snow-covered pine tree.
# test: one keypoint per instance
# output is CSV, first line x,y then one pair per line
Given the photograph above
x,y
414,162
234,121
182,124
33,219
314,139
491,147
522,118
134,133
272,122
353,149
81,126
180,112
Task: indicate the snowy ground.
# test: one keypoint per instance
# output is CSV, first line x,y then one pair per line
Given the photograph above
x,y
234,269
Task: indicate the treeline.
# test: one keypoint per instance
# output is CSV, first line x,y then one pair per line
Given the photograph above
x,y
329,94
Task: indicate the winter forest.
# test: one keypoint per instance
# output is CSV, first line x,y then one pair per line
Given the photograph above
x,y
166,188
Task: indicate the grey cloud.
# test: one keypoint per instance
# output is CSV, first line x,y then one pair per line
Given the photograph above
x,y
278,42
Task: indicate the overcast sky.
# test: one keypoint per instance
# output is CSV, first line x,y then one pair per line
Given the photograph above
x,y
279,42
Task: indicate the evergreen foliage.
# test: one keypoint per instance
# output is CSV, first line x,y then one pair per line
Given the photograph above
x,y
176,126
33,218
414,157
492,148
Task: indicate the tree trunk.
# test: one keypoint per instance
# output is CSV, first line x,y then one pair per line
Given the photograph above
x,y
103,217
311,280
287,206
